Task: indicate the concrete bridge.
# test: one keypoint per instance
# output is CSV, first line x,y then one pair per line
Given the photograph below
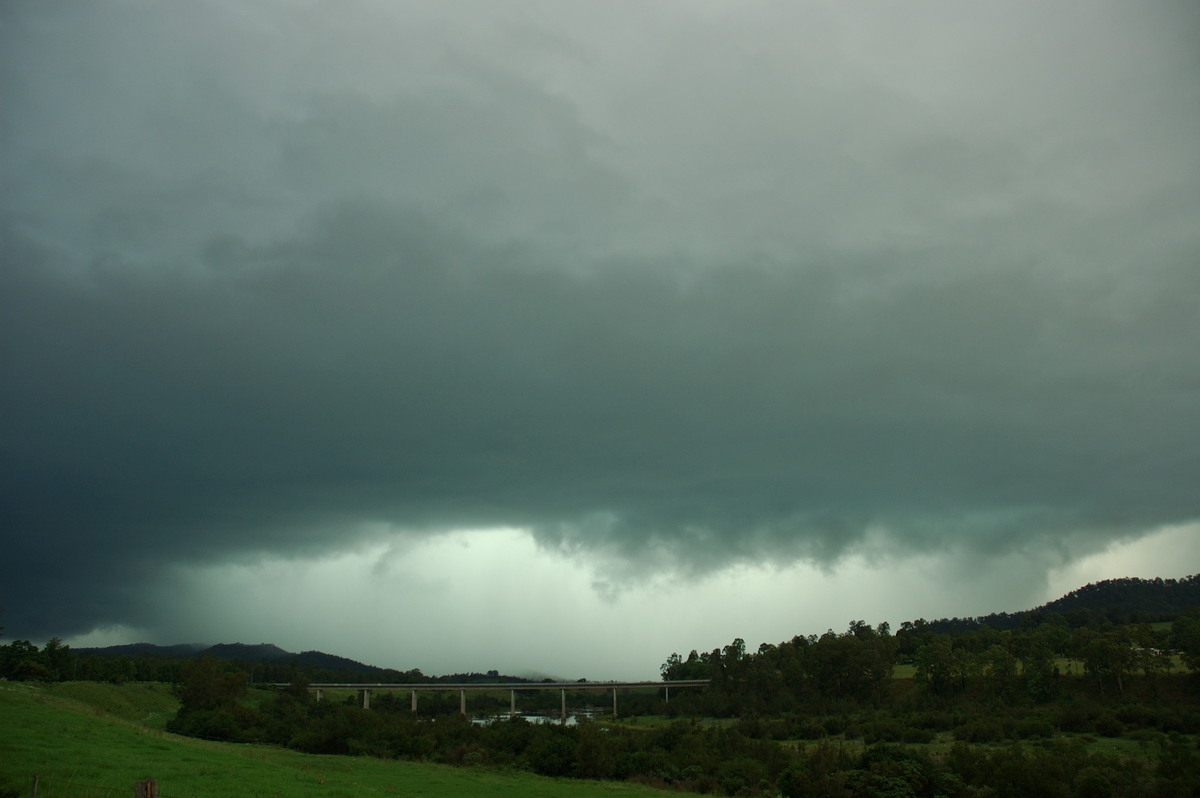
x,y
365,690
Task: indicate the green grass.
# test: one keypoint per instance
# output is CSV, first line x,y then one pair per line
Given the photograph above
x,y
149,704
84,739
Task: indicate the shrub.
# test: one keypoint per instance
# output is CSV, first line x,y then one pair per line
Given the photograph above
x,y
552,754
883,731
1076,718
834,725
1096,782
1032,729
918,736
811,730
737,776
210,724
980,730
938,721
1109,726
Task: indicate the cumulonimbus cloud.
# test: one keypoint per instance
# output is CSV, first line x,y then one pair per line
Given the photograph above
x,y
280,317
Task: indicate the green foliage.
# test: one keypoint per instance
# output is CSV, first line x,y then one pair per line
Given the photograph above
x,y
1011,700
208,684
1185,635
856,665
210,695
68,743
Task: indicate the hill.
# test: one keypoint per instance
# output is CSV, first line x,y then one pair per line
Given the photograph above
x,y
270,663
1139,599
1117,601
261,652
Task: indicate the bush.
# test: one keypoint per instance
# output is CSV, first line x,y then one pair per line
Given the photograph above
x,y
834,725
883,731
1109,726
937,721
1096,782
981,730
918,736
742,775
1076,718
552,753
1033,729
210,724
811,730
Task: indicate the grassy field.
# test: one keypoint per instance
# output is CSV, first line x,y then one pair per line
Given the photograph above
x,y
87,739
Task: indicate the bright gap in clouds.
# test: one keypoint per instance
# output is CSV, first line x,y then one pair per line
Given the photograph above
x,y
1170,552
484,599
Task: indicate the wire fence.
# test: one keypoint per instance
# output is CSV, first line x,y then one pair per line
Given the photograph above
x,y
43,787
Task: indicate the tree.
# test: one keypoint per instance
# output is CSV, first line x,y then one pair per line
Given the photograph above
x,y
1185,633
1108,658
23,662
937,665
59,659
999,669
207,685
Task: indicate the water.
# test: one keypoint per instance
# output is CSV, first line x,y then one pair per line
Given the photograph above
x,y
572,718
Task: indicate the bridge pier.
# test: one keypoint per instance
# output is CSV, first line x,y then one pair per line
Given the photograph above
x,y
366,689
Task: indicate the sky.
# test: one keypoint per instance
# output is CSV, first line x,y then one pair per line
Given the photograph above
x,y
557,337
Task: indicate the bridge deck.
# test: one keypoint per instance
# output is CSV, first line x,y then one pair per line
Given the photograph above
x,y
481,686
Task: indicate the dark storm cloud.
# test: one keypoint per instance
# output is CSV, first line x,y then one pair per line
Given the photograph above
x,y
242,314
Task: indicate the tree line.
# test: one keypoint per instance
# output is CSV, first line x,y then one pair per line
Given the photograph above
x,y
1120,602
1012,712
857,665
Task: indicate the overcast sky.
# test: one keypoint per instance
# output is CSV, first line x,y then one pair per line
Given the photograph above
x,y
559,336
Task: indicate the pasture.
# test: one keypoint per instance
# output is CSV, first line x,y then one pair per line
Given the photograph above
x,y
91,739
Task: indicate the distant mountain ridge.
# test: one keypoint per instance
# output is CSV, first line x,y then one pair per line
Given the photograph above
x,y
272,663
1123,600
242,652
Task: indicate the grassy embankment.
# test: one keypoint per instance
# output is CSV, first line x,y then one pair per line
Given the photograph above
x,y
91,739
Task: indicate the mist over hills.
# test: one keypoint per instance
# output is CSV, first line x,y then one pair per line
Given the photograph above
x,y
1122,600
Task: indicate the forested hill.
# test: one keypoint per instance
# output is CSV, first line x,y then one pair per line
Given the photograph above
x,y
1163,598
266,661
263,661
1118,601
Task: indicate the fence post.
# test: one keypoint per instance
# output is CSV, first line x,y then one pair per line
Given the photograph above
x,y
33,792
146,789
